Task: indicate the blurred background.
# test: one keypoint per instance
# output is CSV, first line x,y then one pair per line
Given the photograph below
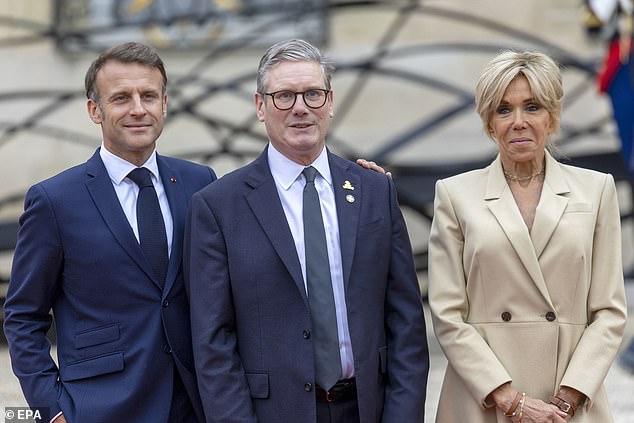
x,y
403,95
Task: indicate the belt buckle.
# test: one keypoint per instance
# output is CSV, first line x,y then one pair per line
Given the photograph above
x,y
329,398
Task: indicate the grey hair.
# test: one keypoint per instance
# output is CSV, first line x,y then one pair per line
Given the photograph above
x,y
294,50
541,72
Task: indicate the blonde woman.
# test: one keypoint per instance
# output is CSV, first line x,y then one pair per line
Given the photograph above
x,y
526,282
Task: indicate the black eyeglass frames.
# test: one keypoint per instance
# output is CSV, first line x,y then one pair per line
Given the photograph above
x,y
285,99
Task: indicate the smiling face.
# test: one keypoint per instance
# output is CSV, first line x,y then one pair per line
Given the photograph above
x,y
300,132
131,110
520,126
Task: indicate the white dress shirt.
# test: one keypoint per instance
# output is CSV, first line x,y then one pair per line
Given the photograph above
x,y
127,191
290,183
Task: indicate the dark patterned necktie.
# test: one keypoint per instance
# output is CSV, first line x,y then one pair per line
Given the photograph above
x,y
150,222
320,295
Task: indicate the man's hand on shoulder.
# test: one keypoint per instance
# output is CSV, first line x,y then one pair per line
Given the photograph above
x,y
372,166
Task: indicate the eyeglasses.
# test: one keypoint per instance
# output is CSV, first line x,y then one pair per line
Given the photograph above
x,y
285,99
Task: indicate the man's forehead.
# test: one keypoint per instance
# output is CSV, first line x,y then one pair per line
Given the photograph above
x,y
129,74
296,72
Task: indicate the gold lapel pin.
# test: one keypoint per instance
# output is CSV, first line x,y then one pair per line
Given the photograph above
x,y
348,185
172,180
350,198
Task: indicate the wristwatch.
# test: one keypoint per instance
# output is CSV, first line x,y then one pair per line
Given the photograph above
x,y
563,405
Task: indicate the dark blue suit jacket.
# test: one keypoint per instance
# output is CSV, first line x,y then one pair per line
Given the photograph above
x,y
119,334
250,317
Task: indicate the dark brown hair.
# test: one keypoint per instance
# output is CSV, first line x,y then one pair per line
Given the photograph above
x,y
131,52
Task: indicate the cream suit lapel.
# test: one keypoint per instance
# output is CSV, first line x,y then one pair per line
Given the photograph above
x,y
500,201
551,205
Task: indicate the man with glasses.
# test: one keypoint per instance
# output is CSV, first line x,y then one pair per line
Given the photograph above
x,y
304,299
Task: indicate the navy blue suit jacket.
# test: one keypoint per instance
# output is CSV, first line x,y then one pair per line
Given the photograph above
x,y
250,317
119,334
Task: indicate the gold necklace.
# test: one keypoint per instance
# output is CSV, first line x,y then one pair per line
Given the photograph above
x,y
522,178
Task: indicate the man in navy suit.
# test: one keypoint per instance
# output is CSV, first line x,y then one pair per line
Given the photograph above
x,y
123,331
258,341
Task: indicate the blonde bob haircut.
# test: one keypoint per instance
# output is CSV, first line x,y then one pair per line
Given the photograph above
x,y
542,73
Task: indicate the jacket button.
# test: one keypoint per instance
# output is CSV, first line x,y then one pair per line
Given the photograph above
x,y
167,349
166,303
306,334
550,316
308,387
506,316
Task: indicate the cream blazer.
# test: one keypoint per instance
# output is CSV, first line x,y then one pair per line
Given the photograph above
x,y
541,309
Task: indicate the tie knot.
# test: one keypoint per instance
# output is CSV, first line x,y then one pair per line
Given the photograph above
x,y
141,176
310,173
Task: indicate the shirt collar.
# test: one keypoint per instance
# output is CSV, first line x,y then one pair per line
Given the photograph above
x,y
285,171
119,168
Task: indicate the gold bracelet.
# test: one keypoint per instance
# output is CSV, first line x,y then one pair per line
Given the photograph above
x,y
522,402
520,412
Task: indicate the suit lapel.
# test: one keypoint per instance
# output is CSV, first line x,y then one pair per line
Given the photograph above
x,y
105,198
500,201
178,203
551,205
347,211
267,208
